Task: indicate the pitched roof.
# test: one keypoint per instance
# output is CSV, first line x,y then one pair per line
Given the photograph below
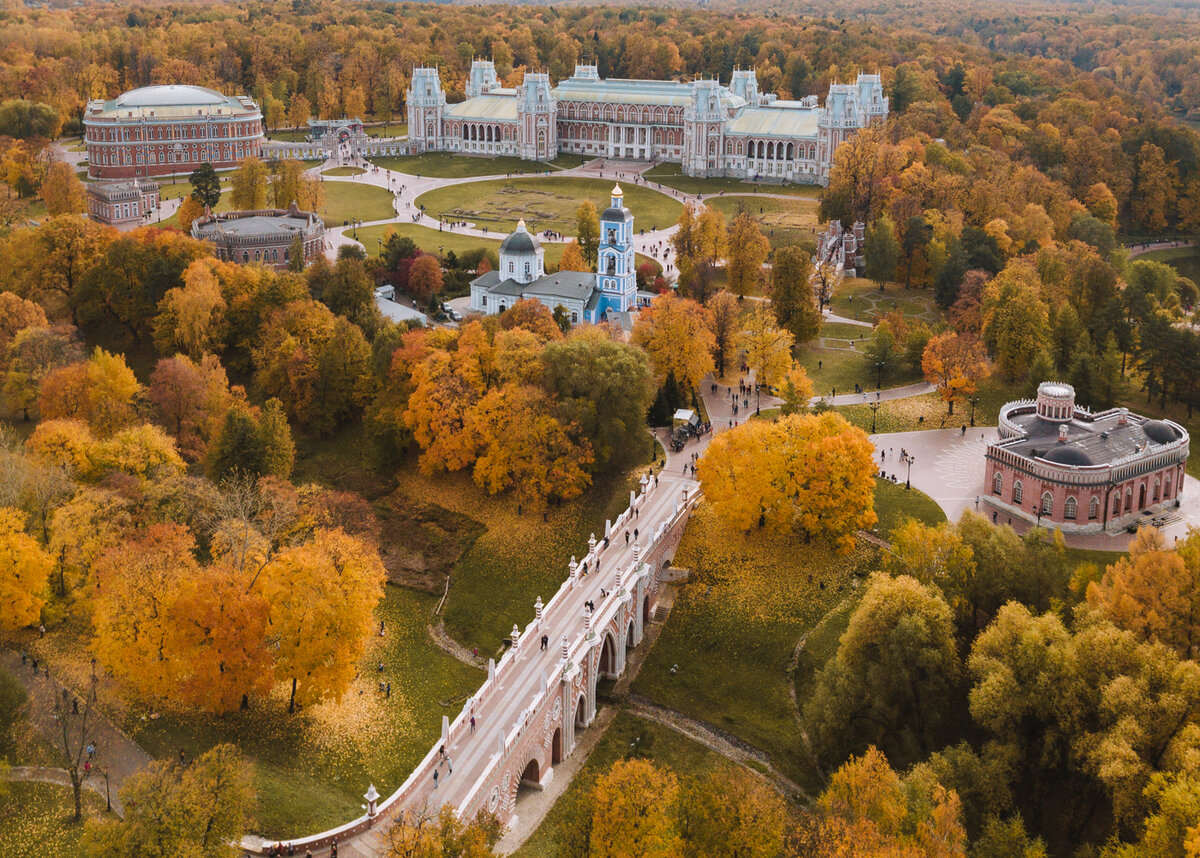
x,y
498,106
776,121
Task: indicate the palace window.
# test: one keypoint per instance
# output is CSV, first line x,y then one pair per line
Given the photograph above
x,y
526,269
1094,509
1047,503
1157,486
1069,508
1167,488
1117,504
1128,500
1018,492
997,483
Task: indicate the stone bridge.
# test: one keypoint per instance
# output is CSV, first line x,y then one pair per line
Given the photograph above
x,y
535,703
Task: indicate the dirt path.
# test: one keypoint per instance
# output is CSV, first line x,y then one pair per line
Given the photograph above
x,y
115,752
441,638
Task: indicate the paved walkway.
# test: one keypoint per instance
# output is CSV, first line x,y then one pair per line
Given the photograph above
x,y
114,750
1135,250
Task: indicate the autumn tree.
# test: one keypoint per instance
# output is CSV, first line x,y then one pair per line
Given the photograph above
x,y
17,314
100,391
289,184
418,834
189,212
768,349
810,474
856,179
531,315
893,676
425,277
62,191
322,595
796,390
748,250
1153,198
954,364
726,812
299,110
724,316
176,809
676,335
24,571
632,806
882,251
792,297
190,400
191,317
1154,591
49,263
700,242
572,257
587,233
1015,320
249,185
252,442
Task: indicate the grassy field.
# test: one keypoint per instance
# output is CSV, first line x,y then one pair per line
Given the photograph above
x,y
392,129
928,411
343,171
432,241
733,629
225,205
447,165
783,222
544,203
895,504
36,820
346,200
838,364
672,176
659,744
1185,260
861,299
297,135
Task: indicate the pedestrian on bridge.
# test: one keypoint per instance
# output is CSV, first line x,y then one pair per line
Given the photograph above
x,y
545,642
435,776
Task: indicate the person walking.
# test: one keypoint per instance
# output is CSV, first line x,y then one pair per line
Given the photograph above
x,y
472,723
435,776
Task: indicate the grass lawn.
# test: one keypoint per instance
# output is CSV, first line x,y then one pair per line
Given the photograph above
x,y
544,203
225,205
391,129
661,745
895,504
839,364
927,411
448,165
734,627
343,171
36,820
821,645
1185,260
298,135
37,210
432,241
861,299
346,200
783,222
672,176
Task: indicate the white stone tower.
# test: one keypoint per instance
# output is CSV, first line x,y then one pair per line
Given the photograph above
x,y
744,83
426,106
703,121
536,136
482,79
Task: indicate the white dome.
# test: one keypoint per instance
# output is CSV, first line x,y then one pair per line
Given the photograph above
x,y
169,96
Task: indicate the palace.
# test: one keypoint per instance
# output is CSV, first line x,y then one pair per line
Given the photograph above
x,y
708,128
169,130
606,295
122,204
1063,466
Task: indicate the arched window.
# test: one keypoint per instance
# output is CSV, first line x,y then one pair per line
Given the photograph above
x,y
1018,492
1157,487
1128,499
1093,509
1117,504
997,483
1167,488
526,269
612,265
1069,508
1047,503
510,267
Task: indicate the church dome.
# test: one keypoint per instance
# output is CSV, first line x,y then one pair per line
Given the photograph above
x,y
1159,432
1065,455
170,95
617,211
520,242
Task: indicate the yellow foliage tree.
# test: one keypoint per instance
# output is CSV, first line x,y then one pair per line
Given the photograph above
x,y
24,571
82,529
813,474
572,258
748,250
768,347
632,812
954,364
322,596
1154,592
437,414
62,191
67,444
249,185
189,210
191,317
676,335
144,451
797,390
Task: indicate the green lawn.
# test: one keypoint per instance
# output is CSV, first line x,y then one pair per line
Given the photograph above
x,y
838,364
895,504
346,200
392,129
544,203
1185,260
343,171
783,222
928,411
672,176
36,820
862,299
225,205
298,135
448,165
662,745
733,629
844,331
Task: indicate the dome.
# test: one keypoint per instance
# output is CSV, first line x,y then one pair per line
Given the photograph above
x,y
612,213
519,242
1067,455
170,95
1159,432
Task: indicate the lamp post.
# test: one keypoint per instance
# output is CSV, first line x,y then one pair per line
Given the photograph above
x,y
1037,508
879,374
907,459
973,400
874,406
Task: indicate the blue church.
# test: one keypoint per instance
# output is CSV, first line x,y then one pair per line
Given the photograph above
x,y
610,294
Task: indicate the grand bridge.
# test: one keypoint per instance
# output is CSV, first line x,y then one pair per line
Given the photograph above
x,y
535,702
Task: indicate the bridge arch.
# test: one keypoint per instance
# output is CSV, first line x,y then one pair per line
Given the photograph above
x,y
556,747
630,639
608,657
531,774
581,718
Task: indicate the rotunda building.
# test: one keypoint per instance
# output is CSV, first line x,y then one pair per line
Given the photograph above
x,y
169,130
522,257
1059,465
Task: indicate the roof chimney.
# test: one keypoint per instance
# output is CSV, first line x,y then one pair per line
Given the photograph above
x,y
1124,417
1062,433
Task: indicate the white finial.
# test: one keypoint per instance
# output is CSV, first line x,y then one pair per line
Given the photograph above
x,y
537,608
521,225
617,192
516,636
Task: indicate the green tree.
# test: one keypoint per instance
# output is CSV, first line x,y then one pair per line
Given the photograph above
x,y
792,296
26,120
587,231
206,187
882,251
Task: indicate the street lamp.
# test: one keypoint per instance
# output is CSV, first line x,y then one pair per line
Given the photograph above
x,y
874,406
973,400
879,374
907,458
1037,508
